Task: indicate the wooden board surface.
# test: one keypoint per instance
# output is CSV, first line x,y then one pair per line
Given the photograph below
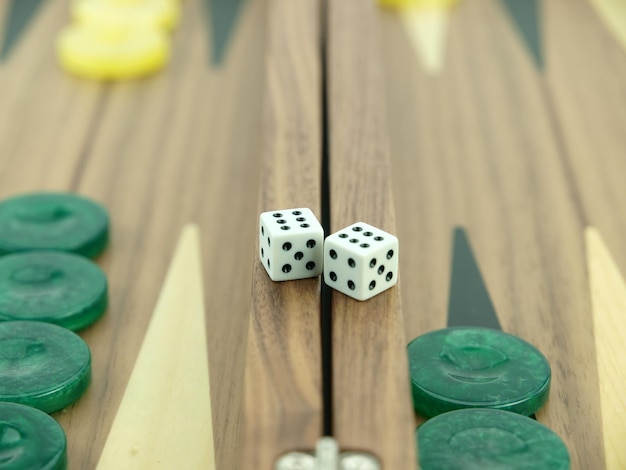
x,y
283,381
483,146
174,347
371,390
175,148
524,154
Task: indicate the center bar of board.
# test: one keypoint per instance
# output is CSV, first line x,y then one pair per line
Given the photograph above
x,y
371,390
371,405
283,390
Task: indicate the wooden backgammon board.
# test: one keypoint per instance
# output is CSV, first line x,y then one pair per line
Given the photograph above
x,y
489,136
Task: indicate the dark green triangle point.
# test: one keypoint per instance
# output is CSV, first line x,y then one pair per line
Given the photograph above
x,y
526,15
469,303
221,16
21,13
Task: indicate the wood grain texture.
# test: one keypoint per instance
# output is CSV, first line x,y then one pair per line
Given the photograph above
x,y
283,409
478,147
613,13
372,408
174,148
589,104
608,295
427,28
164,418
38,100
523,159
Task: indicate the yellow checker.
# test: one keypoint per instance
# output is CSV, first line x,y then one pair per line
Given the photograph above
x,y
125,14
104,54
408,4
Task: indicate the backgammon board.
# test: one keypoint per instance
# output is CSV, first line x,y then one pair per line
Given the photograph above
x,y
488,135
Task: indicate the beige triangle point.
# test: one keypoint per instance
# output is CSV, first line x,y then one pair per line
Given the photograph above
x,y
608,300
164,419
427,28
613,13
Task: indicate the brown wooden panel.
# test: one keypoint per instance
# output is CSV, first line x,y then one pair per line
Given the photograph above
x,y
38,100
372,409
178,147
590,107
283,408
588,96
522,158
478,146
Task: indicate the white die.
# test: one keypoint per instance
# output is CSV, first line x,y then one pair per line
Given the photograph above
x,y
291,244
361,261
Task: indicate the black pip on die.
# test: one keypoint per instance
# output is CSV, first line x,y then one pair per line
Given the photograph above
x,y
291,244
361,261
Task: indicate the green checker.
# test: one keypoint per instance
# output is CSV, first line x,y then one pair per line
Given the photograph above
x,y
42,365
468,367
53,221
52,286
480,439
30,439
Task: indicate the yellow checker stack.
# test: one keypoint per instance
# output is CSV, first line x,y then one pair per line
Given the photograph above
x,y
118,39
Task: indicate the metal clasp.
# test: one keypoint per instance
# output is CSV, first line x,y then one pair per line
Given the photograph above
x,y
327,457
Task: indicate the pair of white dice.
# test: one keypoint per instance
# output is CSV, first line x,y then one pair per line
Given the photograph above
x,y
360,260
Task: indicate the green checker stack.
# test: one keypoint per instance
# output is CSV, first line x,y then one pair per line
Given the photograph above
x,y
477,386
48,287
54,287
467,367
479,439
53,221
42,365
30,439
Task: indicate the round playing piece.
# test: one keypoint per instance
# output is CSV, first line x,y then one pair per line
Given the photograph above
x,y
127,14
103,54
489,439
458,368
29,438
50,286
53,221
42,365
54,287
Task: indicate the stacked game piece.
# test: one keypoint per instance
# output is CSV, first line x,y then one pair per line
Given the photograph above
x,y
360,260
478,385
487,438
30,439
468,367
45,274
48,287
47,367
118,39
